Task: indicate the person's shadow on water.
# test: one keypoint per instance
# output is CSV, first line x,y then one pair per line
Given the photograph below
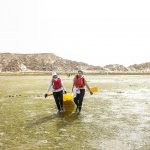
x,y
39,121
66,117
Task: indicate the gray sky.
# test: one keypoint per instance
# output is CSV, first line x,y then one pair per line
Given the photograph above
x,y
93,31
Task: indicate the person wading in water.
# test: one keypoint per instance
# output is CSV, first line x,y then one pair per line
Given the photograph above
x,y
58,89
78,89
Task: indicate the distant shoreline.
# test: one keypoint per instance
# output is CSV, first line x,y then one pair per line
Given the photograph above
x,y
69,74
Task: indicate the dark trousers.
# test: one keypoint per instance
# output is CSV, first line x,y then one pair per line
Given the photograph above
x,y
58,96
79,99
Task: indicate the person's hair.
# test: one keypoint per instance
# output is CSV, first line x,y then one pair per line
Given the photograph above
x,y
80,71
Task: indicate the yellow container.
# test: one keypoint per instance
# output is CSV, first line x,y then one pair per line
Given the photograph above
x,y
94,89
67,97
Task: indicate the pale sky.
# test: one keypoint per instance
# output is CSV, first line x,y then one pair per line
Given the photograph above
x,y
96,32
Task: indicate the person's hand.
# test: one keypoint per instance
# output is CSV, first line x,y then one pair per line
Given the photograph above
x,y
45,95
91,92
65,92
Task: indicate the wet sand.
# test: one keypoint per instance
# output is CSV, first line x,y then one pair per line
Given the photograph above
x,y
115,118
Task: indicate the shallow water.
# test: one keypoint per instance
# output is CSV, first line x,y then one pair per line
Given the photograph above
x,y
115,118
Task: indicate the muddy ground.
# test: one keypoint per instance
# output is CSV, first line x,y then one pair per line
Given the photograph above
x,y
115,118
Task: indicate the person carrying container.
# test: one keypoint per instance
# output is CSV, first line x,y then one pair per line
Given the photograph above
x,y
78,90
58,89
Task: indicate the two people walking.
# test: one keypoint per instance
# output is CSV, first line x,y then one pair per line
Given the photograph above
x,y
78,89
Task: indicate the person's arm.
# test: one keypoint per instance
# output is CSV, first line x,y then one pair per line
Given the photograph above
x,y
88,87
73,84
48,89
63,87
